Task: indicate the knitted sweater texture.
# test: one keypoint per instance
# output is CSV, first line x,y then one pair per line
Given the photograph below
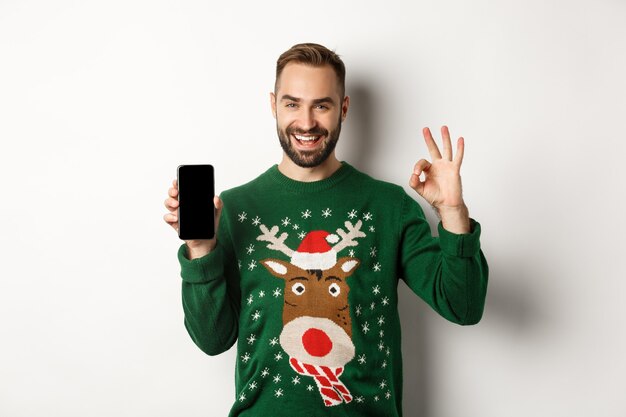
x,y
304,279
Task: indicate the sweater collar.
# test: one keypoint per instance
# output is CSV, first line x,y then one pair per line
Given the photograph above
x,y
339,175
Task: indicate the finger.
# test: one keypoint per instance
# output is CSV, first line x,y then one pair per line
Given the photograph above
x,y
171,219
175,183
171,204
172,192
421,166
460,150
430,144
447,145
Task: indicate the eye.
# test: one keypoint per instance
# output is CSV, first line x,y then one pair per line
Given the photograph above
x,y
290,105
298,288
322,107
334,289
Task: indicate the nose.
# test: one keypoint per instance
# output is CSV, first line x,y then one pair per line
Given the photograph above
x,y
316,342
307,121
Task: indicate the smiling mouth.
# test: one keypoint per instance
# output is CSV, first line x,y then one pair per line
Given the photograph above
x,y
307,141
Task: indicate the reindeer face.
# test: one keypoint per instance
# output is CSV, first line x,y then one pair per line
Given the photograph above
x,y
316,316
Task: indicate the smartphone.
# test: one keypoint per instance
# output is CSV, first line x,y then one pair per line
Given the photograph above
x,y
196,212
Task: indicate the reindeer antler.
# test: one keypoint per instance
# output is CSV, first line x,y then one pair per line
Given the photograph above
x,y
347,239
277,243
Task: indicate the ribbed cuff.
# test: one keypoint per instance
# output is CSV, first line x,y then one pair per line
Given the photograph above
x,y
204,269
464,245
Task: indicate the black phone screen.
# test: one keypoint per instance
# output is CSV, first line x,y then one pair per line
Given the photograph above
x,y
196,213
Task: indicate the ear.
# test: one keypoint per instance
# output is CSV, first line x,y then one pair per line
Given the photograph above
x,y
348,265
344,108
278,268
273,103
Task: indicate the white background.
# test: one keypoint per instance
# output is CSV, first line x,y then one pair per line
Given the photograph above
x,y
100,101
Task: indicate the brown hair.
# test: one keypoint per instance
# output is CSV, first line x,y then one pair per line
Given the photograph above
x,y
314,55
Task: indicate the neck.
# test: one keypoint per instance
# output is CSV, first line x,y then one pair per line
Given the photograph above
x,y
324,170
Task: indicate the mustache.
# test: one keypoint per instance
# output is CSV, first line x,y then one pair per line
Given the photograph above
x,y
316,131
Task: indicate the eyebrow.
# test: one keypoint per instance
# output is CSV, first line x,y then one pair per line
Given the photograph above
x,y
316,101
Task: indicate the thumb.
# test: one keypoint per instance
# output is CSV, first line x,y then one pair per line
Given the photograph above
x,y
217,202
416,184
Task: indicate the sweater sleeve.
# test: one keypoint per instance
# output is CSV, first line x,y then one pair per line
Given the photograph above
x,y
210,294
449,272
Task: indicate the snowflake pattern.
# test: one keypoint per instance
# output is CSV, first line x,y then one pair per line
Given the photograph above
x,y
358,311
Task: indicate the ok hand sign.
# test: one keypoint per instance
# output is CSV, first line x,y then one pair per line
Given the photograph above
x,y
442,184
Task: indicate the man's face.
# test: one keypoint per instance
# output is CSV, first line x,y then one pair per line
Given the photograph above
x,y
309,109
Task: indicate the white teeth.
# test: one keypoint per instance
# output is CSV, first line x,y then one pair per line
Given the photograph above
x,y
306,138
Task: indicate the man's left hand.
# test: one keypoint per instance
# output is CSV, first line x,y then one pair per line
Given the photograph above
x,y
442,183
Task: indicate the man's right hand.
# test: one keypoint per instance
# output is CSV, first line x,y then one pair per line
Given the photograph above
x,y
199,247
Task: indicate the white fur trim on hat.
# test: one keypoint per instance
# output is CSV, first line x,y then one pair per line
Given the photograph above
x,y
325,260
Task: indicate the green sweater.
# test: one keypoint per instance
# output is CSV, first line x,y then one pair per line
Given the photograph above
x,y
304,278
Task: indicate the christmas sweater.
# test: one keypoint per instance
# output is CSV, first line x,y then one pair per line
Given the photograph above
x,y
304,279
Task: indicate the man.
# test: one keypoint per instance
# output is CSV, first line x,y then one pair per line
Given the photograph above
x,y
304,269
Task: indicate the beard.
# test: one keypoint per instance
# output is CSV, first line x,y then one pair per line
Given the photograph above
x,y
313,158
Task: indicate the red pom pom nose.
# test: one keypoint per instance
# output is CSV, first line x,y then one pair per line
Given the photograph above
x,y
316,342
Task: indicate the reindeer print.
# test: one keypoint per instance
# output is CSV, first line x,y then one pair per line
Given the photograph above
x,y
317,327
